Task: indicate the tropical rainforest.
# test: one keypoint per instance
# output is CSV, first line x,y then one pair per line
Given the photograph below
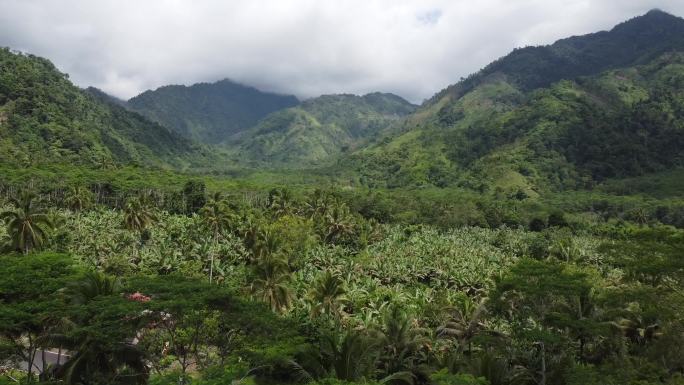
x,y
524,226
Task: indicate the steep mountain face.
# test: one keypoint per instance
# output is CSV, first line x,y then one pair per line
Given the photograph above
x,y
209,112
45,118
516,125
319,129
636,41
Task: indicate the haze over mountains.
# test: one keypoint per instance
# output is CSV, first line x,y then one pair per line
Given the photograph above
x,y
209,112
515,125
263,128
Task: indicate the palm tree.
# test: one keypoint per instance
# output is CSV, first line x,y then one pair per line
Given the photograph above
x,y
92,359
216,217
249,231
137,216
78,198
401,340
338,223
635,327
267,243
465,323
92,285
327,295
270,284
317,204
280,201
347,355
56,218
27,224
499,371
111,363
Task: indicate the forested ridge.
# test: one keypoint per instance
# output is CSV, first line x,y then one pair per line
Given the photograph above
x,y
44,118
320,130
208,112
621,123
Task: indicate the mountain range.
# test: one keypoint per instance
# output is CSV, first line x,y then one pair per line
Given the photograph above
x,y
516,124
567,115
262,129
320,129
209,112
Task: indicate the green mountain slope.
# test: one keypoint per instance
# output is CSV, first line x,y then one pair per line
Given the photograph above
x,y
320,129
44,118
105,97
633,42
498,129
572,134
209,112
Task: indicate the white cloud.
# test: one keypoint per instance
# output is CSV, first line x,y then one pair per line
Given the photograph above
x,y
306,47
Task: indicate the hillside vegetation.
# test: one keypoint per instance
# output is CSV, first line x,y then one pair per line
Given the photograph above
x,y
44,118
209,112
523,227
633,42
498,130
318,130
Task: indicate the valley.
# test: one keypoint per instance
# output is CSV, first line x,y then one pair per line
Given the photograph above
x,y
524,225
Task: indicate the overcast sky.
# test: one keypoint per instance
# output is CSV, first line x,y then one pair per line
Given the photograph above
x,y
304,47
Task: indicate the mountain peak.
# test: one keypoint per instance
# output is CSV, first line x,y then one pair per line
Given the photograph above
x,y
655,19
633,42
104,97
658,11
209,112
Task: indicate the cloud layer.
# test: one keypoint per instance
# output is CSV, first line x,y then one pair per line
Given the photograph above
x,y
306,47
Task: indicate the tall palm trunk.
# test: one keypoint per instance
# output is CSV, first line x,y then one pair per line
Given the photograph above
x,y
542,381
211,257
27,246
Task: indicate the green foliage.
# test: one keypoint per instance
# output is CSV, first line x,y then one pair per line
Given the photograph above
x,y
138,215
631,42
327,295
27,224
30,307
354,300
209,112
517,127
443,377
78,198
458,254
320,129
194,194
44,118
270,282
